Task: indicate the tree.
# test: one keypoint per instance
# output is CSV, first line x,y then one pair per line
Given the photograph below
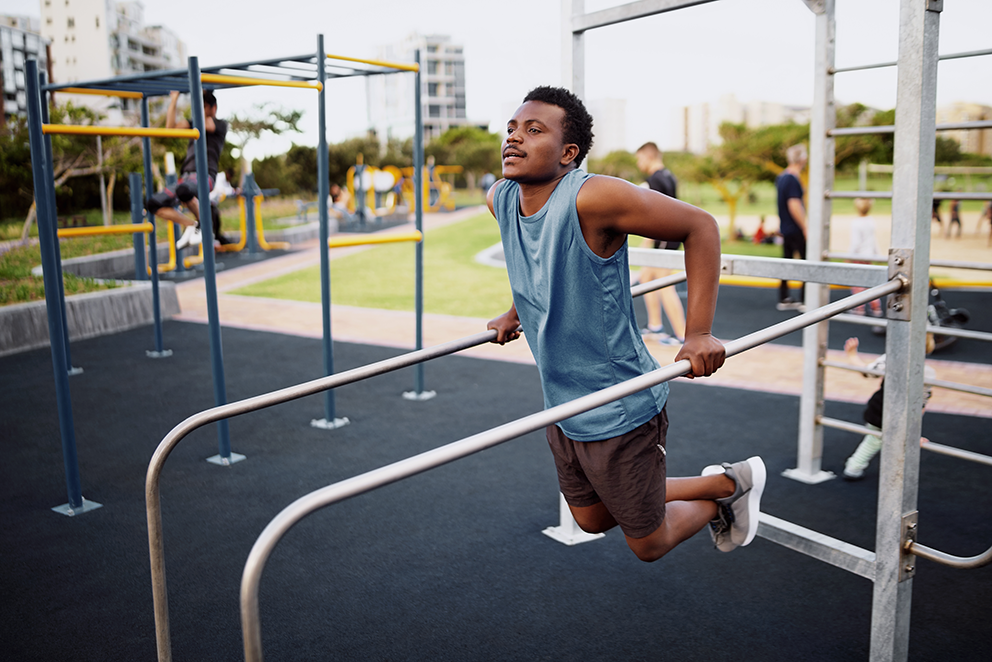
x,y
619,163
262,118
474,149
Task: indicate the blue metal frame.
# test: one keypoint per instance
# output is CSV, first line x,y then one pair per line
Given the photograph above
x,y
308,67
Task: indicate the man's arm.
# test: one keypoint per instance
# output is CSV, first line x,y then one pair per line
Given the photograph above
x,y
172,122
610,209
170,114
506,325
798,212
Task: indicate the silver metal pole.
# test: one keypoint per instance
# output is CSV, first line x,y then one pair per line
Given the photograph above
x,y
912,193
809,453
412,466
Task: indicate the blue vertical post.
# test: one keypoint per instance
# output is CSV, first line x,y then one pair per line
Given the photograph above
x,y
50,192
134,184
224,456
418,392
329,422
249,191
146,150
41,170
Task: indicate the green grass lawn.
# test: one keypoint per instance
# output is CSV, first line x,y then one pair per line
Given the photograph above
x,y
454,283
383,277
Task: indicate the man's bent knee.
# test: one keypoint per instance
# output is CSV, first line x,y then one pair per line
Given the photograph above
x,y
157,201
186,191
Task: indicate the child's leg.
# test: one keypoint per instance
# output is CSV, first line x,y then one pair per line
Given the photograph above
x,y
854,467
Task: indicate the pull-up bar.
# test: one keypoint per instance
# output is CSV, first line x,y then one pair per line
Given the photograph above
x,y
103,93
377,63
139,131
244,80
391,238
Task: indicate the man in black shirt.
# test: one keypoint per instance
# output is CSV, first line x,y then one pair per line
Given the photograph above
x,y
661,179
164,203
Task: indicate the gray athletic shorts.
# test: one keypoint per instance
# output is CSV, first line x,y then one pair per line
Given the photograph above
x,y
627,473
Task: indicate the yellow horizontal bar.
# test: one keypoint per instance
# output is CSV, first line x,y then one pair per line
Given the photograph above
x,y
103,93
378,63
97,230
361,240
141,131
243,80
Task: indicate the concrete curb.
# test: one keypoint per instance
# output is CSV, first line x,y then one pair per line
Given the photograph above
x,y
24,326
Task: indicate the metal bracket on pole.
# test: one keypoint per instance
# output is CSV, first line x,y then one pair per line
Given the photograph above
x,y
935,5
901,267
907,569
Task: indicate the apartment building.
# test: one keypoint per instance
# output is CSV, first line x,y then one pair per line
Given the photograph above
x,y
98,39
19,42
698,126
972,141
442,95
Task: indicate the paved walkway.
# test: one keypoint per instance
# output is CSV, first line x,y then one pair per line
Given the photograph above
x,y
770,368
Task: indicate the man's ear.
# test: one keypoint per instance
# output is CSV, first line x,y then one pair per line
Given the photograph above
x,y
569,154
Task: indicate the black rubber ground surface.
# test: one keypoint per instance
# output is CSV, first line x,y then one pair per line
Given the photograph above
x,y
450,564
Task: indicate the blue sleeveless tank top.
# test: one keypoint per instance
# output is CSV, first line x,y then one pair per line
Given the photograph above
x,y
576,311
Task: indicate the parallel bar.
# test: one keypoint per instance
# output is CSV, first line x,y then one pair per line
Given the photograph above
x,y
938,330
822,547
938,383
960,562
95,231
411,466
403,66
629,12
657,284
880,65
937,195
959,453
847,426
890,128
362,240
834,273
244,80
950,264
103,93
139,131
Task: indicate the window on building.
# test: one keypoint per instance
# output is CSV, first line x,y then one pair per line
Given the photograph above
x,y
70,22
432,89
433,111
48,21
431,67
97,21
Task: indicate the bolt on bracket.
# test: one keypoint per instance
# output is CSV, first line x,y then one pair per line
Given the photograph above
x,y
900,266
907,564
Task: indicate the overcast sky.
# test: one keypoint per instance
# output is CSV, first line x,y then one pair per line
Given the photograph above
x,y
759,50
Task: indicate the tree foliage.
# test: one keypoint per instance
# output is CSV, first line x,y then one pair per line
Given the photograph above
x,y
474,149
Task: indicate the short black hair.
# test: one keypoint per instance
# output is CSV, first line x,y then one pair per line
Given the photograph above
x,y
209,99
577,123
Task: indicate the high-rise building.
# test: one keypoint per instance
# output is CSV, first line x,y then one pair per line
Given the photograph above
x,y
19,42
976,141
98,39
442,95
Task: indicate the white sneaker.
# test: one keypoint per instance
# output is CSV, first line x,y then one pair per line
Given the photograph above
x,y
191,237
745,503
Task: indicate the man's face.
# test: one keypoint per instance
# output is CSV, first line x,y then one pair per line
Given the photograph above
x,y
643,162
534,145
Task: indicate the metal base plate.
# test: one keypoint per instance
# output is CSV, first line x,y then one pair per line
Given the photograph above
x,y
324,424
152,354
226,461
66,509
75,371
419,397
573,537
809,479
